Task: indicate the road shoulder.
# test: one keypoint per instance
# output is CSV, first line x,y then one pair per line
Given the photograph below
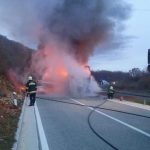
x,y
137,105
28,138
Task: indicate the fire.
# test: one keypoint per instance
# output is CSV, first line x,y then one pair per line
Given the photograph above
x,y
60,73
46,76
22,88
49,73
50,66
17,85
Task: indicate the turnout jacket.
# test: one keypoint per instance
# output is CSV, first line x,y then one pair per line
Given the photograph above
x,y
31,86
111,90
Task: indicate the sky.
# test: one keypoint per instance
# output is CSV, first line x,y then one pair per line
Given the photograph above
x,y
133,54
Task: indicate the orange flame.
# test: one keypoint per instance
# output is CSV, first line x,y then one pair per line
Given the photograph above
x,y
53,68
18,86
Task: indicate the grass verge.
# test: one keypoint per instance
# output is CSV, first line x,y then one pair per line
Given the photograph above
x,y
136,100
9,117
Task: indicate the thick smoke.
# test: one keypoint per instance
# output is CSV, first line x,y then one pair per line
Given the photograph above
x,y
67,33
84,24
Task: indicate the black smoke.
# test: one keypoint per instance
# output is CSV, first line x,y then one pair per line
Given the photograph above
x,y
84,24
81,24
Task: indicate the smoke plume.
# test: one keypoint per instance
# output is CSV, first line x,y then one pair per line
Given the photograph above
x,y
84,24
67,32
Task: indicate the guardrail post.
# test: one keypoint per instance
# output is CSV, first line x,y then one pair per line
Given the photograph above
x,y
144,101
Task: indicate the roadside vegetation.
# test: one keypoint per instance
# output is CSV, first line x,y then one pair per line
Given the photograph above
x,y
13,57
9,114
134,81
8,124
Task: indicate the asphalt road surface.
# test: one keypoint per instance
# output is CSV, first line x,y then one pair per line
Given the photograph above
x,y
83,127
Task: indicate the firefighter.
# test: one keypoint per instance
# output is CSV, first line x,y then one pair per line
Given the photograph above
x,y
31,88
110,92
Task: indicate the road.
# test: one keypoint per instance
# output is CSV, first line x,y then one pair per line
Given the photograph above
x,y
76,127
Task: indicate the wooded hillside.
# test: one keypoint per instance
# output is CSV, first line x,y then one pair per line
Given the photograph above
x,y
125,80
13,55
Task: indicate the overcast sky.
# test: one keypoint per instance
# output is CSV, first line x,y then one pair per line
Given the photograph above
x,y
133,55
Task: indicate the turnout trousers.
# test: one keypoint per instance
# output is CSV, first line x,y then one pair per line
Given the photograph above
x,y
32,99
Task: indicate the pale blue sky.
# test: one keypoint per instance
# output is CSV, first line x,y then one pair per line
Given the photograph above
x,y
135,54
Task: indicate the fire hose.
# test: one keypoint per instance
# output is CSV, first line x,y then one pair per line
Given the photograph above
x,y
90,115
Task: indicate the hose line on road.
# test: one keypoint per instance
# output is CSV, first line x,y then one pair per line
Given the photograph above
x,y
93,130
88,118
90,114
114,110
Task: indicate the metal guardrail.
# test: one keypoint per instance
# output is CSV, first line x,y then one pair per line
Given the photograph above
x,y
146,97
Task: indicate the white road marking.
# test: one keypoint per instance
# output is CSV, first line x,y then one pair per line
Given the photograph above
x,y
42,137
119,121
77,102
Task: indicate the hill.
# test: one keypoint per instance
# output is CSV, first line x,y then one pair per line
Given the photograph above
x,y
125,80
13,55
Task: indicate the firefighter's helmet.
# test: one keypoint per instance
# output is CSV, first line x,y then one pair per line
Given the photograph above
x,y
14,93
30,78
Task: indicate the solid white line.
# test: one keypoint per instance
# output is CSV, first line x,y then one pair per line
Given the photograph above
x,y
121,122
78,102
42,137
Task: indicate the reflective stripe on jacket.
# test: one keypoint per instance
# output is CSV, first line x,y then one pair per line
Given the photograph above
x,y
111,90
31,86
